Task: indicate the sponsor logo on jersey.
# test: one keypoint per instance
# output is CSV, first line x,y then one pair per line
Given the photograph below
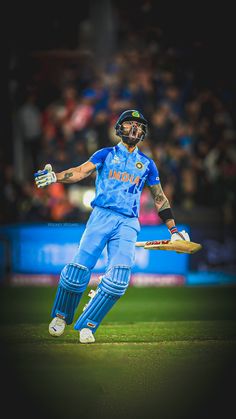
x,y
136,114
139,165
123,176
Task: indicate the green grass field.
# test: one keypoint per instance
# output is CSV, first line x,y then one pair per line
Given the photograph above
x,y
164,352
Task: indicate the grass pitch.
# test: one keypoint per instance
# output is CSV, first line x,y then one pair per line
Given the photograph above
x,y
160,353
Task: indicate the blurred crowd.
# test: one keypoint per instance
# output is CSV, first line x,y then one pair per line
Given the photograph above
x,y
63,120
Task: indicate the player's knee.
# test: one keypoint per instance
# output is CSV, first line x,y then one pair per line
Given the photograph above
x,y
116,281
74,277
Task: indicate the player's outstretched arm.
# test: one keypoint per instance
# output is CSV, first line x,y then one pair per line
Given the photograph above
x,y
164,210
47,176
75,174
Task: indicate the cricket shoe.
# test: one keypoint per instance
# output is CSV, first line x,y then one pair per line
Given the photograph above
x,y
86,336
57,326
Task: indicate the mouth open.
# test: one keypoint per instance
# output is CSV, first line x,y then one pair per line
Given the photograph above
x,y
133,130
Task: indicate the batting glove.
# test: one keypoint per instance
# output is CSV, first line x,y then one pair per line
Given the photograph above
x,y
180,235
45,177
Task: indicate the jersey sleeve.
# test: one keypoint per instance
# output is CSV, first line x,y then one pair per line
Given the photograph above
x,y
99,157
153,174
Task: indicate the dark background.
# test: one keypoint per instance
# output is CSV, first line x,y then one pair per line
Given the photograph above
x,y
205,35
195,38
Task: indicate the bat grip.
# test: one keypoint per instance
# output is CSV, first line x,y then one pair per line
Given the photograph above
x,y
140,244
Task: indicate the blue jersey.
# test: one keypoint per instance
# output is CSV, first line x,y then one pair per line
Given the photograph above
x,y
121,176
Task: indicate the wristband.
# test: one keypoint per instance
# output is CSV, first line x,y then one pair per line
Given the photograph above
x,y
166,214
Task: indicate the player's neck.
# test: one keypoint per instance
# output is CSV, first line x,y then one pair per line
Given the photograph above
x,y
130,148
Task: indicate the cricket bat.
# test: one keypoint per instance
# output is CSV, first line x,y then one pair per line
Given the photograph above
x,y
178,246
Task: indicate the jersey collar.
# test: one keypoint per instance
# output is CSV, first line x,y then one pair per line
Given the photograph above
x,y
124,149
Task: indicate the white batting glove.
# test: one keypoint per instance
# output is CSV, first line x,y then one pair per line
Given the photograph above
x,y
45,177
180,235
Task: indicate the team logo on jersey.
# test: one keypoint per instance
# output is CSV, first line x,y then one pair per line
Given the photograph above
x,y
136,114
139,165
116,159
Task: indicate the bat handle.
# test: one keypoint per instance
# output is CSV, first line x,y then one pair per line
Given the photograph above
x,y
140,244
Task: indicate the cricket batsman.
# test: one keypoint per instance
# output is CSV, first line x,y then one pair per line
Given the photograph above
x,y
122,172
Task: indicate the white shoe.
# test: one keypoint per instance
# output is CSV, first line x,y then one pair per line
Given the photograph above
x,y
86,336
57,326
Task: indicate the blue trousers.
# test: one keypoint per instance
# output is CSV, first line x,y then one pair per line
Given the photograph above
x,y
106,227
119,234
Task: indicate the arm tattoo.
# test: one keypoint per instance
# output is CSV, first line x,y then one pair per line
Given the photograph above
x,y
67,175
159,197
78,173
84,173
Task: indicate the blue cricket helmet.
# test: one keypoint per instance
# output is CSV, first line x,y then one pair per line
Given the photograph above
x,y
131,115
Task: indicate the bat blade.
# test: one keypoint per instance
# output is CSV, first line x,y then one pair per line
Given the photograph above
x,y
179,246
